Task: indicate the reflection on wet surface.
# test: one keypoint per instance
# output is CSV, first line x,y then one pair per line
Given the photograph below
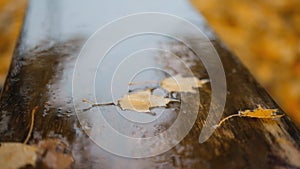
x,y
41,75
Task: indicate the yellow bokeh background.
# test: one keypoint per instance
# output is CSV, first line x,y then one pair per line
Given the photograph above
x,y
11,19
265,35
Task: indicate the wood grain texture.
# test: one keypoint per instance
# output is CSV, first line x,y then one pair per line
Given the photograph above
x,y
41,76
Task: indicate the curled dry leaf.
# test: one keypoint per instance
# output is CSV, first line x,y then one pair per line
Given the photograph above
x,y
256,113
182,84
17,155
142,101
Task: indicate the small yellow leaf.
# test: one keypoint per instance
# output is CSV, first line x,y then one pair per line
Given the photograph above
x,y
142,101
260,113
17,155
182,84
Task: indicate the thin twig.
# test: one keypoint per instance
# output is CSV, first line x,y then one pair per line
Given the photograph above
x,y
106,104
88,101
151,113
103,104
31,124
93,104
98,104
147,88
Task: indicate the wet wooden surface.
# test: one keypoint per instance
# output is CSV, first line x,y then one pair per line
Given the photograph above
x,y
41,75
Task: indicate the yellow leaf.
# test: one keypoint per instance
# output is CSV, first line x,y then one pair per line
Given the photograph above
x,y
182,84
142,101
17,155
260,113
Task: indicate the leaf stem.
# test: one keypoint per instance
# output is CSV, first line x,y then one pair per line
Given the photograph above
x,y
31,124
93,104
226,118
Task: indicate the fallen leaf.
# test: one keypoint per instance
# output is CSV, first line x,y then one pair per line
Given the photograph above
x,y
17,155
182,84
142,101
51,153
259,112
54,154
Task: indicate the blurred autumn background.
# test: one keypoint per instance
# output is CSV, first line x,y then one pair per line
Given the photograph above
x,y
11,19
264,34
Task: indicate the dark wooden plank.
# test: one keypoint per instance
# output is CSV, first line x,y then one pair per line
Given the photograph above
x,y
41,75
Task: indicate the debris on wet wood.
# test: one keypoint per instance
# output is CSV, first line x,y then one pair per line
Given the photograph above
x,y
182,84
143,101
31,124
17,155
54,153
97,104
259,112
49,153
93,104
142,83
177,83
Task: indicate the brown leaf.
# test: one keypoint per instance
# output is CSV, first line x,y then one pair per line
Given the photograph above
x,y
17,155
182,84
142,101
54,154
50,153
